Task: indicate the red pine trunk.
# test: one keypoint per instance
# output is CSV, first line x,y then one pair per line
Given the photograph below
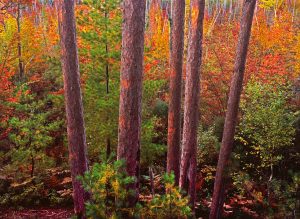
x,y
131,88
176,55
74,108
188,163
232,107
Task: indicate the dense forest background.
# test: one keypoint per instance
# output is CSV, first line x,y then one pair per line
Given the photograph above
x,y
264,175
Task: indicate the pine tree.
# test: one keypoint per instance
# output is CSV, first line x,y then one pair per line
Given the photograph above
x,y
131,89
176,55
188,165
232,108
74,108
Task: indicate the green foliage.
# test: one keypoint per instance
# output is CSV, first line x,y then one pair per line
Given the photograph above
x,y
153,118
264,143
107,184
100,33
208,145
207,154
170,205
32,131
286,195
150,152
161,109
27,193
267,122
31,192
240,180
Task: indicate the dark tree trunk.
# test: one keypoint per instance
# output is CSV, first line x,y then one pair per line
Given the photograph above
x,y
74,108
176,55
188,163
232,106
131,89
108,148
151,176
32,166
21,66
108,144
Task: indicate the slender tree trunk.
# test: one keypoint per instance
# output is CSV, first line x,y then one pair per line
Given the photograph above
x,y
21,66
188,163
230,10
232,106
108,145
74,108
208,9
32,166
177,43
170,22
131,89
293,11
151,176
108,148
107,69
58,7
224,10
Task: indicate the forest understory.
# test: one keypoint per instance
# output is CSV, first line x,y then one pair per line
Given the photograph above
x,y
150,109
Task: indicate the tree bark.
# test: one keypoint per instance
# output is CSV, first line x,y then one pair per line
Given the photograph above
x,y
74,108
131,89
232,106
176,55
188,163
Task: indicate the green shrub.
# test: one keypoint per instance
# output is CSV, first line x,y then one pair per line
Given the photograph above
x,y
172,204
107,185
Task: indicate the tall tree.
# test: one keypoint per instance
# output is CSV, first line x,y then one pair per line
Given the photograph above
x,y
131,89
192,89
74,108
188,165
176,55
232,107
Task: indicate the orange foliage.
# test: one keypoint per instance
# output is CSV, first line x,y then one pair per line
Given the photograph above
x,y
157,44
271,56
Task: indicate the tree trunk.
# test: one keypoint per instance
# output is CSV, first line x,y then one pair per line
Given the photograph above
x,y
74,108
131,89
21,66
232,106
108,148
176,55
58,7
32,166
188,163
230,10
293,11
151,176
108,145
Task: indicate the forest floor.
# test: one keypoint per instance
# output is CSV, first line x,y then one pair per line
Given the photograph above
x,y
39,213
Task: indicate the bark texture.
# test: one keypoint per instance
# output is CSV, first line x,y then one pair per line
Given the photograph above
x,y
176,55
74,108
131,88
232,107
188,163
